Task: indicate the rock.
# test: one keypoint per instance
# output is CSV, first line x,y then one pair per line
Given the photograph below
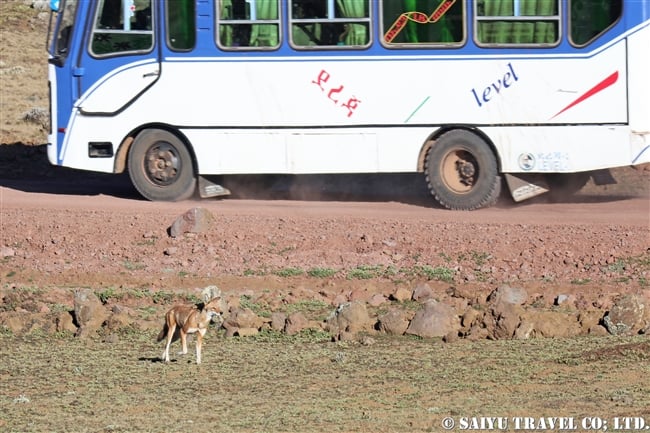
x,y
349,318
470,317
278,321
507,294
422,293
591,322
242,318
376,300
14,321
568,300
120,318
625,316
401,294
503,320
451,337
434,319
505,313
38,4
210,292
477,332
246,332
345,336
64,322
89,312
524,331
549,324
195,220
393,322
295,323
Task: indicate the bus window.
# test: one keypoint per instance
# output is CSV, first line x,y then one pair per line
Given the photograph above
x,y
517,22
324,23
589,19
422,22
181,24
248,24
60,45
122,26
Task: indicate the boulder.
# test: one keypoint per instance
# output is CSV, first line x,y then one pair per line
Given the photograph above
x,y
195,220
376,300
393,322
64,322
210,292
422,293
295,323
470,317
89,312
550,324
509,295
626,316
241,319
278,321
401,294
349,318
502,320
505,312
434,319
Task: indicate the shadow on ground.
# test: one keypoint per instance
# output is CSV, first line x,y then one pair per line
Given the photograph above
x,y
26,168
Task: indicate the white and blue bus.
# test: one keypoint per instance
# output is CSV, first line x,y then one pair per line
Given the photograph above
x,y
474,94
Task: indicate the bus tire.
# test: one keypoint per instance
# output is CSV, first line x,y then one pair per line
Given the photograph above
x,y
160,166
462,172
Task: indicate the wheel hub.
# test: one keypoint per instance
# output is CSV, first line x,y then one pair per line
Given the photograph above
x,y
162,164
466,170
459,171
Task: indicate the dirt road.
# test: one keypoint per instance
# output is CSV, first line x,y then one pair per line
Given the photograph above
x,y
63,227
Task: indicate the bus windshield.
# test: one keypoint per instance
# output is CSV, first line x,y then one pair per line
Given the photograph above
x,y
64,16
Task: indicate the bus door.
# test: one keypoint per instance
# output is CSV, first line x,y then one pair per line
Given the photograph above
x,y
118,60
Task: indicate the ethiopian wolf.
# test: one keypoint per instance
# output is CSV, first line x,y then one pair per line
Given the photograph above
x,y
189,319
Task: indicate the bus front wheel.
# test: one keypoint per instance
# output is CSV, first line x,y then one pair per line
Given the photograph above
x,y
461,171
160,166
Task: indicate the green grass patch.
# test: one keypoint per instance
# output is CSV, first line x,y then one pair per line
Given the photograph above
x,y
321,272
289,272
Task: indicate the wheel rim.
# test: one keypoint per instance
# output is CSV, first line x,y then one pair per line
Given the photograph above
x,y
459,170
162,164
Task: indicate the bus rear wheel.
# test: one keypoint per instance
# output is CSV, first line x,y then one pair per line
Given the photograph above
x,y
461,171
160,166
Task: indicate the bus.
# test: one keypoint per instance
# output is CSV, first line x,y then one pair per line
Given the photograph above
x,y
478,96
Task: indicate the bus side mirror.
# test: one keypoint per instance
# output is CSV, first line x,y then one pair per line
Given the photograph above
x,y
54,5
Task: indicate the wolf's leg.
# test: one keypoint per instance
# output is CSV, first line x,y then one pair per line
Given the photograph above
x,y
183,342
170,336
199,343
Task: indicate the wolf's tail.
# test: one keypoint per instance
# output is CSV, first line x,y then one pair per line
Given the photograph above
x,y
162,334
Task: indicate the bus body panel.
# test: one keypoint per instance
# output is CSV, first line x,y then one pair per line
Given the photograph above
x,y
119,88
376,91
639,88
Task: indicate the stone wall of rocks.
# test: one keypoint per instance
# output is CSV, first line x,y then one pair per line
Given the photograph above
x,y
508,312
